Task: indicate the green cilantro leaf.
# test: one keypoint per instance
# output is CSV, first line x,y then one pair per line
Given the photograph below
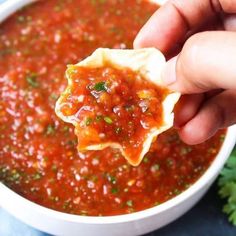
x,y
227,187
88,121
100,86
32,80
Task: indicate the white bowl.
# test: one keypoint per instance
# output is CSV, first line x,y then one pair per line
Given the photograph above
x,y
58,223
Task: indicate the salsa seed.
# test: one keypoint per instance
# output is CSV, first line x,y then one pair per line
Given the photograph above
x,y
118,130
21,19
129,203
108,120
126,190
155,168
185,150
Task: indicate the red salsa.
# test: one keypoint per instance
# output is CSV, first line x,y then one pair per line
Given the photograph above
x,y
38,154
110,105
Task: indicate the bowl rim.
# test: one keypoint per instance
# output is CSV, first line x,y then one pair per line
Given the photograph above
x,y
6,10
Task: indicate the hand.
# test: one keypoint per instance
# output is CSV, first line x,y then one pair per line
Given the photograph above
x,y
204,70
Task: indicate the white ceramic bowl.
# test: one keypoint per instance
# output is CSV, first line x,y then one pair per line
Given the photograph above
x,y
138,223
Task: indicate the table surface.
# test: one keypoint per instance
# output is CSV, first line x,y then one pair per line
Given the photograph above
x,y
205,219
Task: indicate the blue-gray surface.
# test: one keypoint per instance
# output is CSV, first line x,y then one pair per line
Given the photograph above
x,y
205,219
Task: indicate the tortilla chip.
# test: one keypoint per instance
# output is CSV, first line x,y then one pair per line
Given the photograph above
x,y
148,63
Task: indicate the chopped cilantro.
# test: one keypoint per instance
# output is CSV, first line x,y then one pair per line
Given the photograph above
x,y
108,120
116,30
4,169
129,108
129,203
15,175
177,191
66,129
222,137
72,143
50,130
54,167
98,118
94,178
227,190
53,97
66,204
100,86
6,51
32,80
37,176
111,179
88,121
185,150
114,190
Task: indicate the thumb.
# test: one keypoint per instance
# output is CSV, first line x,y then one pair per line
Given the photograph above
x,y
206,62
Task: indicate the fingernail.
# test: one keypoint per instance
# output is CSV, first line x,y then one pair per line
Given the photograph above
x,y
169,72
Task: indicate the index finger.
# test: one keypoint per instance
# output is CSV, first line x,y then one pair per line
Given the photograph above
x,y
171,22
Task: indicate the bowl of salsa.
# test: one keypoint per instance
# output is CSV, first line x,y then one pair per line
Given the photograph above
x,y
44,180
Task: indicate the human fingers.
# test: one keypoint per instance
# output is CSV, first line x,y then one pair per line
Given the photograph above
x,y
229,22
216,113
170,23
206,62
186,108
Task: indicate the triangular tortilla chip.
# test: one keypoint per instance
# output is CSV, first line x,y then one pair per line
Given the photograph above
x,y
148,64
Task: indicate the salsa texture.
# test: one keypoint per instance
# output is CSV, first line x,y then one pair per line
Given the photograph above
x,y
111,106
38,155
